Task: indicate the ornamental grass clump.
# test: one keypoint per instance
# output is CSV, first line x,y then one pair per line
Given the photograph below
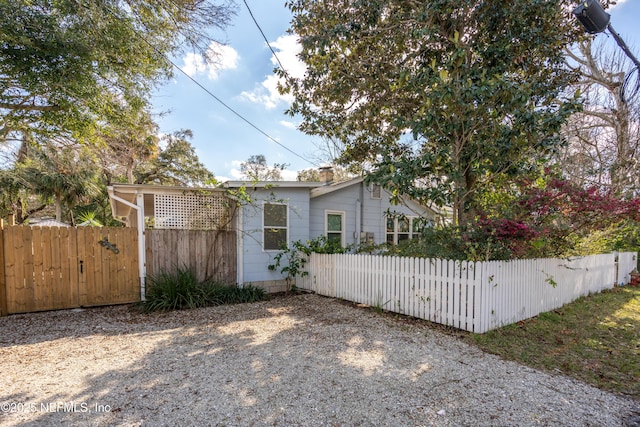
x,y
181,289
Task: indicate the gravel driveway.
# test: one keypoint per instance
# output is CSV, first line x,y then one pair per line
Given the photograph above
x,y
300,360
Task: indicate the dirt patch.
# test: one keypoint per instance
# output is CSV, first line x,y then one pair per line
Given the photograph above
x,y
301,360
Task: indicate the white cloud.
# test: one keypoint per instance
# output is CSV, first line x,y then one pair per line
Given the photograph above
x,y
235,169
288,175
266,93
289,125
222,58
287,47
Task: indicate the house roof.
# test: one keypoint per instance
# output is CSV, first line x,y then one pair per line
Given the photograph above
x,y
47,222
125,194
155,189
330,188
271,184
405,200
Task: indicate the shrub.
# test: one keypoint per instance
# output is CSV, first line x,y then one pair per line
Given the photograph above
x,y
621,237
181,290
437,242
220,294
291,260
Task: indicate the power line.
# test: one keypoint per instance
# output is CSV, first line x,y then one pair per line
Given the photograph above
x,y
265,38
215,97
238,114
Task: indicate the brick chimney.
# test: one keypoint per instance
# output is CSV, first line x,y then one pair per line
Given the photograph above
x,y
326,174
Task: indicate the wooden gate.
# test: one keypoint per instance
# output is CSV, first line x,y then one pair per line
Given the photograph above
x,y
50,268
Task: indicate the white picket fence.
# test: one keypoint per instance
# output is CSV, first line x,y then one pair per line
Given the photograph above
x,y
474,296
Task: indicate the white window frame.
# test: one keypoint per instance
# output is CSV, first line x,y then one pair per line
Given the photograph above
x,y
264,226
395,231
326,225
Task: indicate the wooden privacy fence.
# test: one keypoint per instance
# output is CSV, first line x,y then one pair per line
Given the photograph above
x,y
474,296
211,254
49,268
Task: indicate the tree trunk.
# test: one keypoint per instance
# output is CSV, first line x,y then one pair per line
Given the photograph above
x,y
58,205
622,167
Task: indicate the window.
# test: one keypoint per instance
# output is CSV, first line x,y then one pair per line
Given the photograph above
x,y
375,191
404,228
275,226
334,224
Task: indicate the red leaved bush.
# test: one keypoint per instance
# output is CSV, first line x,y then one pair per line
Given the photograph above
x,y
547,220
561,202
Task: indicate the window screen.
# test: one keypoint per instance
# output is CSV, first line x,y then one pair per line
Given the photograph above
x,y
275,226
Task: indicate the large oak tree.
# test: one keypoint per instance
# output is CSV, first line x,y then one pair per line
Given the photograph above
x,y
441,96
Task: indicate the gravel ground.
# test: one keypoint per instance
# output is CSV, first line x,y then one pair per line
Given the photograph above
x,y
302,360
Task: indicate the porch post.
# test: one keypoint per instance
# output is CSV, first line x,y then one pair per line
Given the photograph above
x,y
142,253
3,277
239,247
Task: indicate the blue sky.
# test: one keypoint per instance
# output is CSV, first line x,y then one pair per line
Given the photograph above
x,y
244,80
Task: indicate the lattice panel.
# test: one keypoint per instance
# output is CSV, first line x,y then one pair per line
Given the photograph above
x,y
191,211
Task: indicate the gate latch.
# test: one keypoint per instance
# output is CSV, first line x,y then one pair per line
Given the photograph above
x,y
108,245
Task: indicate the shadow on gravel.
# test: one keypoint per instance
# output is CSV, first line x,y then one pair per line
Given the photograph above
x,y
303,360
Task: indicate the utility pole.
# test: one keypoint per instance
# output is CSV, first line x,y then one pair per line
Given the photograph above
x,y
595,20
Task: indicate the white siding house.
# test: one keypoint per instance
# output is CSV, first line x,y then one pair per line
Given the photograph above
x,y
350,210
279,213
364,208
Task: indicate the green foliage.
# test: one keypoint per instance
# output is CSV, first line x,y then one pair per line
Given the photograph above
x,y
181,290
176,163
435,91
256,169
548,217
51,174
69,67
292,259
174,291
484,241
322,245
89,218
621,237
81,74
222,294
437,242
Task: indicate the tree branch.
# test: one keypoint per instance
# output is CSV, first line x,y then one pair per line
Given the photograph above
x,y
30,107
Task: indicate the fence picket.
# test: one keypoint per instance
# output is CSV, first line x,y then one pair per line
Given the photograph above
x,y
411,288
419,288
473,321
372,269
472,296
464,289
439,295
23,264
432,289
